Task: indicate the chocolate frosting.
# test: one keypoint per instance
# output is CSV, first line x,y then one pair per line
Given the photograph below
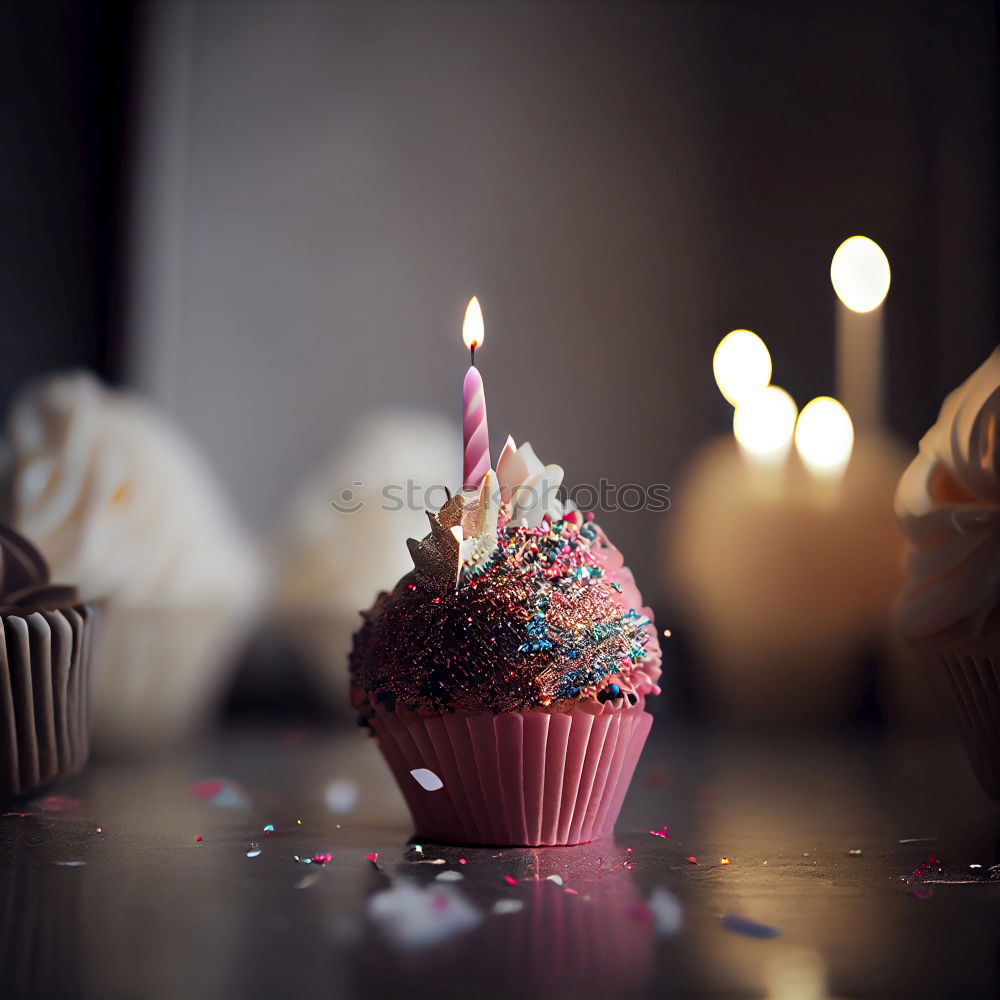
x,y
24,578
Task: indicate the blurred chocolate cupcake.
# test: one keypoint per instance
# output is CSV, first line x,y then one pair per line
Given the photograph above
x,y
44,672
121,501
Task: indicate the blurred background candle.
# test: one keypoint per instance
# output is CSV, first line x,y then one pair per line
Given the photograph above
x,y
474,428
860,275
763,424
824,440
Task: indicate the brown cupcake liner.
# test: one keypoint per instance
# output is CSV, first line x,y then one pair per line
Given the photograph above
x,y
44,697
972,671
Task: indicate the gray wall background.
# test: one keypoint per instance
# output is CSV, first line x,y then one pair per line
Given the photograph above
x,y
320,187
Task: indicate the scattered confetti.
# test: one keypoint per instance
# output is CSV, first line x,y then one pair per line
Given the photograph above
x,y
254,851
504,906
373,857
449,876
221,792
462,861
736,924
666,910
572,892
197,839
100,830
269,828
341,797
693,860
70,864
427,779
855,852
664,833
510,880
933,865
412,917
724,861
918,840
555,878
55,804
322,858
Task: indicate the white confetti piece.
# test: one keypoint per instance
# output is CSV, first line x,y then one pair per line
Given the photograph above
x,y
311,879
341,797
555,878
449,876
414,917
427,779
504,906
667,913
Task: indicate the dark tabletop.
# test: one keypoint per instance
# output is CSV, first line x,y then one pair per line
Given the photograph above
x,y
159,880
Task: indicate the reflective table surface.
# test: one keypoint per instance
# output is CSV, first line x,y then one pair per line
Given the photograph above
x,y
277,863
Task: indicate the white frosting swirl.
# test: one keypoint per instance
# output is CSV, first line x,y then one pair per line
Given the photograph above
x,y
121,503
948,503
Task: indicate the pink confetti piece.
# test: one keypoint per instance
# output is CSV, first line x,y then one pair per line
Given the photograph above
x,y
462,861
664,833
197,839
56,803
693,860
373,857
322,858
221,792
510,880
572,892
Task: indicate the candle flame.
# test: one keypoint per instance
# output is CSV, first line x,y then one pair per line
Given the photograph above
x,y
824,436
742,365
764,424
473,328
860,274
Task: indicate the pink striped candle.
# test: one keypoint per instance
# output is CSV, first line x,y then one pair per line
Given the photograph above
x,y
474,429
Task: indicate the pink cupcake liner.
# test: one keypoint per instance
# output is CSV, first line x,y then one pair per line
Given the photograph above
x,y
520,778
974,678
44,697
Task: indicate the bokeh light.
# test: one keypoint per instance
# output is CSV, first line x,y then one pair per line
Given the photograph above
x,y
860,274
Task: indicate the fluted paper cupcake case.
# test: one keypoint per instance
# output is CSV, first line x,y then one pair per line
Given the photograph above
x,y
973,673
161,673
44,697
520,778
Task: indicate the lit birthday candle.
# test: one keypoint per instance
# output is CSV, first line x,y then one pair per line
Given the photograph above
x,y
474,429
860,275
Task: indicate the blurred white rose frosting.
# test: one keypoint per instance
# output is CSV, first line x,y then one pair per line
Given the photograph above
x,y
121,503
344,531
948,503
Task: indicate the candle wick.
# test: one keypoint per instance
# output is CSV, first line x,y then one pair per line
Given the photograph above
x,y
472,354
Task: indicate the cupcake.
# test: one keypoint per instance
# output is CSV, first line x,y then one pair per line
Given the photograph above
x,y
505,677
948,503
44,672
119,501
339,541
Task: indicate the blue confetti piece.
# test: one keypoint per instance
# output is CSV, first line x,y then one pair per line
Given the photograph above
x,y
736,924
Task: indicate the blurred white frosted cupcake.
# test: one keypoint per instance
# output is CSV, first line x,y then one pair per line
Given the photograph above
x,y
948,503
121,502
344,534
